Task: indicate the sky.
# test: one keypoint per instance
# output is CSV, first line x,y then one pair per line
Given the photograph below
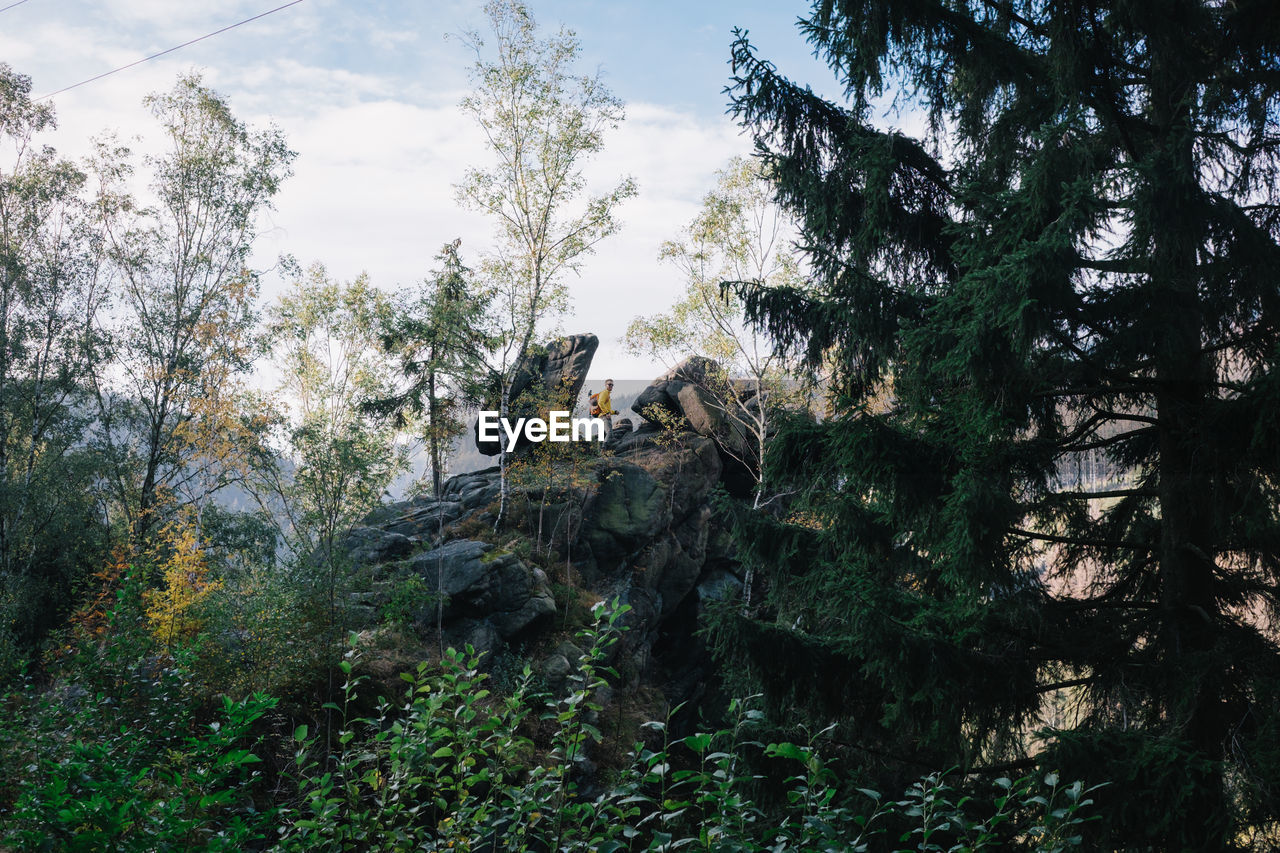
x,y
367,92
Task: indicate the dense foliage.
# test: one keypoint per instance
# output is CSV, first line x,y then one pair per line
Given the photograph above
x,y
132,766
1072,266
49,347
1033,538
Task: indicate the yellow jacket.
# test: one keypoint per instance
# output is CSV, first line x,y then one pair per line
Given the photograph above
x,y
606,405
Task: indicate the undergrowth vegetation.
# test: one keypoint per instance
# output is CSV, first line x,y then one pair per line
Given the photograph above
x,y
118,757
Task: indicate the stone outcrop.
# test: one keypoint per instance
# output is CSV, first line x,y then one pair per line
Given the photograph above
x,y
373,545
636,522
559,371
695,395
481,583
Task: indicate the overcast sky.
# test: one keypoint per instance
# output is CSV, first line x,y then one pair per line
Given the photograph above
x,y
367,92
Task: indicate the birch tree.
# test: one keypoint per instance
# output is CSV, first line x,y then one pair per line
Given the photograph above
x,y
541,124
50,293
739,235
324,337
186,299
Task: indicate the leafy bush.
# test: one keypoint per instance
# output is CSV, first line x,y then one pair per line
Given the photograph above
x,y
454,770
409,596
117,792
171,608
115,757
130,766
13,657
265,632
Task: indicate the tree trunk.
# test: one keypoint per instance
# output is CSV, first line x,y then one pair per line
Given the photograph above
x,y
433,433
503,409
1184,378
440,588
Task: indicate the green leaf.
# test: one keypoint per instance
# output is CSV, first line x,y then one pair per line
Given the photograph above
x,y
786,750
698,743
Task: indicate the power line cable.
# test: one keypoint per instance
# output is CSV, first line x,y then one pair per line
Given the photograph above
x,y
11,5
163,52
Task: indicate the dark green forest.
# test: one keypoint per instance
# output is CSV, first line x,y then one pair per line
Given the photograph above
x,y
955,527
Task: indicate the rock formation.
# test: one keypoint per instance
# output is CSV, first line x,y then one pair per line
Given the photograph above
x,y
635,523
687,392
559,370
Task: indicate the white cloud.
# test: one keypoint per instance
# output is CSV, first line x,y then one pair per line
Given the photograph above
x,y
288,87
371,108
171,15
374,192
673,156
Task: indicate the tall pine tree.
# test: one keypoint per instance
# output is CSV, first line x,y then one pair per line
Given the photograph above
x,y
440,339
1067,289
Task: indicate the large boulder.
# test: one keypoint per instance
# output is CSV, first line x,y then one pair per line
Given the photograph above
x,y
734,435
628,508
373,545
460,633
696,369
484,583
556,372
622,427
688,555
664,392
721,418
648,520
473,490
419,520
694,395
562,367
687,466
657,395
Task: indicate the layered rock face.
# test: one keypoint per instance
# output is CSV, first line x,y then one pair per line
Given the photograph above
x,y
685,394
556,373
634,521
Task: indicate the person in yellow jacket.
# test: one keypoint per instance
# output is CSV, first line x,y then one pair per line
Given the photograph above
x,y
607,411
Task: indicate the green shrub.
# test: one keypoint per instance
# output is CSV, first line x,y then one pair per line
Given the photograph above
x,y
409,596
115,756
266,633
453,767
137,788
453,770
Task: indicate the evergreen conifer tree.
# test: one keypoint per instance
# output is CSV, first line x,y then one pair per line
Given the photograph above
x,y
440,339
1077,262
